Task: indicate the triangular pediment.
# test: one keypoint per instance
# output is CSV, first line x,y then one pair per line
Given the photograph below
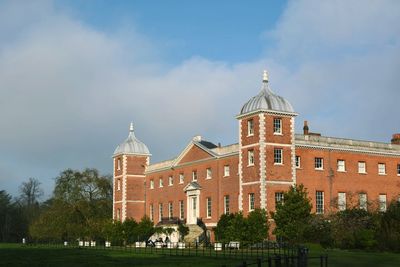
x,y
194,151
192,186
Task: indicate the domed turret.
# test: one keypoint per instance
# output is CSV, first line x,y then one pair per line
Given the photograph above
x,y
132,145
267,100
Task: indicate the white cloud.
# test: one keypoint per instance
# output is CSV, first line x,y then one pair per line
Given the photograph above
x,y
68,91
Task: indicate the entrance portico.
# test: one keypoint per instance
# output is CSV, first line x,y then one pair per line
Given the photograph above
x,y
192,191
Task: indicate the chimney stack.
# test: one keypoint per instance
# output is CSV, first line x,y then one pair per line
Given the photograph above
x,y
305,128
396,139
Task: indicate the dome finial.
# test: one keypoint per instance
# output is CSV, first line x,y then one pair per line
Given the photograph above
x,y
265,76
131,127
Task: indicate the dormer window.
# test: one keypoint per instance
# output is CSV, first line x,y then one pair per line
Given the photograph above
x,y
277,126
250,127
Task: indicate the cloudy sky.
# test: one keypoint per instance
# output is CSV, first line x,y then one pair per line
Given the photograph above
x,y
73,74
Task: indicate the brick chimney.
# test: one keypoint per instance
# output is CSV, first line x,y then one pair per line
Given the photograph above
x,y
396,139
305,128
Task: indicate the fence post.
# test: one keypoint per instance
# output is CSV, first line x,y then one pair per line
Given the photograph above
x,y
258,262
278,261
269,261
244,264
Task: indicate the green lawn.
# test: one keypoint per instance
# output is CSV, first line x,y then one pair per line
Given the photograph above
x,y
13,255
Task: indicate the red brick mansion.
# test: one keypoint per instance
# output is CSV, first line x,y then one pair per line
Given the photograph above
x,y
206,180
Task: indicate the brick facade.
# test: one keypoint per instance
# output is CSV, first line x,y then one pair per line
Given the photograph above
x,y
261,166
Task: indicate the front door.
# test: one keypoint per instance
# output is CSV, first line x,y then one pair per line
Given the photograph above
x,y
192,210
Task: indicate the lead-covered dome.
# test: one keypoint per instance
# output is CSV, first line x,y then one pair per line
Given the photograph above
x,y
267,100
132,145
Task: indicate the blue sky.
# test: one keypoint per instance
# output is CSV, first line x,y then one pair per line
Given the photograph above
x,y
73,74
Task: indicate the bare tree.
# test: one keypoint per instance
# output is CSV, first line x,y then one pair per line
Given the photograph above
x,y
30,192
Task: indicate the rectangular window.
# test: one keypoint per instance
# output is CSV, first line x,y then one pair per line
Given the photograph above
x,y
250,127
118,184
209,207
226,170
277,126
381,168
161,183
160,212
209,173
319,163
251,202
194,175
398,169
170,210
250,156
181,178
341,201
151,184
119,164
319,202
382,202
181,210
298,162
278,153
170,180
151,212
341,165
363,201
362,167
278,198
226,204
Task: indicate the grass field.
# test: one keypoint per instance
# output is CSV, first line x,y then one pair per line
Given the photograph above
x,y
12,255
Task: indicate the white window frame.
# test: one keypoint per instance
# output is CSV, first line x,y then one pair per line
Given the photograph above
x,y
160,211
181,178
298,162
341,165
170,180
398,169
341,201
161,182
118,214
118,184
209,207
226,204
381,168
151,184
226,170
208,173
319,202
250,157
181,210
362,167
194,175
277,126
251,202
278,156
118,164
382,202
170,210
318,161
250,127
278,198
363,201
151,215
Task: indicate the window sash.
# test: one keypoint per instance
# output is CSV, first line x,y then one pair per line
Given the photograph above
x,y
160,211
278,198
381,168
277,126
209,207
363,201
362,167
170,210
226,204
341,201
382,202
194,175
181,210
251,202
298,161
250,155
250,127
226,170
170,180
319,202
278,155
151,212
341,165
319,163
181,178
209,173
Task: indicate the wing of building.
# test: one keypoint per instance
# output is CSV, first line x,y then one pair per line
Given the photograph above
x,y
206,180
